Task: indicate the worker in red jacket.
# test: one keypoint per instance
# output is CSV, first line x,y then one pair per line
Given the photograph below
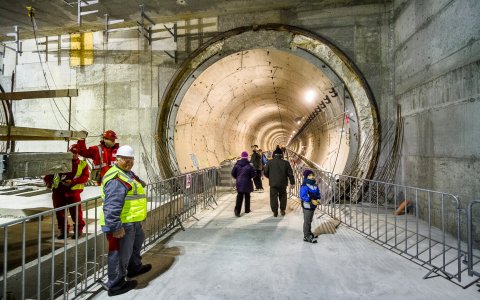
x,y
103,155
66,189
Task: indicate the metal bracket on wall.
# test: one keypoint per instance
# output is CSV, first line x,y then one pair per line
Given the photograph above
x,y
174,56
18,48
2,56
80,13
46,47
109,22
3,165
172,31
145,29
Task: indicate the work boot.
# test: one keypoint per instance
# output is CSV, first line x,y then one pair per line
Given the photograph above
x,y
122,288
143,269
282,212
309,239
75,235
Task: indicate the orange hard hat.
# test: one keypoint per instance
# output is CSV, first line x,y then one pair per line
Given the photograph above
x,y
109,134
73,148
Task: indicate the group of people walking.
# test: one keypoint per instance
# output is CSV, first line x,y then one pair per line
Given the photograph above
x,y
112,171
279,173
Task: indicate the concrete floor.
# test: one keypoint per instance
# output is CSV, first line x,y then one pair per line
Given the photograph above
x,y
258,256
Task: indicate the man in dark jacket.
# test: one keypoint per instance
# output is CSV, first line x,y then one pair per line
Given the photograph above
x,y
243,172
278,171
256,161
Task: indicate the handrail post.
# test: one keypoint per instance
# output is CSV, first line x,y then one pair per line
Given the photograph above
x,y
471,272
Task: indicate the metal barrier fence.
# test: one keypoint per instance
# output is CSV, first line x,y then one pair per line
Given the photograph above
x,y
369,212
419,224
37,265
470,260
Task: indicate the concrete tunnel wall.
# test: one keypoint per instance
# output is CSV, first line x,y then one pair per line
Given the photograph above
x,y
437,84
220,110
258,96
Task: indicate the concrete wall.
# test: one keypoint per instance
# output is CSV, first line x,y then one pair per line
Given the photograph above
x,y
437,84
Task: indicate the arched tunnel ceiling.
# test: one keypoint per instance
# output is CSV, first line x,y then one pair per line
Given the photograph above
x,y
250,97
236,91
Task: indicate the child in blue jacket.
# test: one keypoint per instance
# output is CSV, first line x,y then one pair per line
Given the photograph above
x,y
310,196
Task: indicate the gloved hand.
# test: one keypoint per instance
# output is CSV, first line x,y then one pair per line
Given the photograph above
x,y
119,233
315,202
85,133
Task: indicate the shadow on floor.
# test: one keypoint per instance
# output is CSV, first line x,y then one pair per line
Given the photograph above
x,y
162,259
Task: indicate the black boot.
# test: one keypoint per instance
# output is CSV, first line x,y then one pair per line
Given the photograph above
x,y
309,239
122,288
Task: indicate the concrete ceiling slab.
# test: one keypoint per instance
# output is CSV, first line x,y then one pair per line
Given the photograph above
x,y
54,17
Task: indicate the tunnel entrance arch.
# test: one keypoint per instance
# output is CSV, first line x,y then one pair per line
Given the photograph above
x,y
276,37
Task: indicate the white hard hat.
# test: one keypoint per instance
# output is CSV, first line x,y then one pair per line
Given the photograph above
x,y
125,151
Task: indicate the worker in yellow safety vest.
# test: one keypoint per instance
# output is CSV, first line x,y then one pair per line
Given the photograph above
x,y
66,189
124,208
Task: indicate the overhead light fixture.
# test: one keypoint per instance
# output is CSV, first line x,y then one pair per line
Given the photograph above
x,y
310,96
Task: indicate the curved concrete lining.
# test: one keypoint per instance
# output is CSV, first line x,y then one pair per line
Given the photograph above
x,y
248,86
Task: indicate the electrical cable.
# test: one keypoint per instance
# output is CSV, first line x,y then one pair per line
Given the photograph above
x,y
341,132
34,27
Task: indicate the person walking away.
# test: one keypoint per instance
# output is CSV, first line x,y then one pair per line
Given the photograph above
x,y
256,161
103,155
66,189
243,172
124,209
310,196
278,171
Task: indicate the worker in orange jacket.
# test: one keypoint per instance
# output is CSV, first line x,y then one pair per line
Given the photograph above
x,y
66,189
103,155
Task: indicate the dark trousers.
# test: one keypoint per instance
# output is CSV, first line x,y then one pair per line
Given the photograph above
x,y
124,254
257,180
59,200
307,221
238,204
278,193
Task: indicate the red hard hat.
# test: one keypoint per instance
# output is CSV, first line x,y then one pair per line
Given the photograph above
x,y
109,134
73,148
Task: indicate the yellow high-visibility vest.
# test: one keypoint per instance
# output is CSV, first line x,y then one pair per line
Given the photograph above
x,y
135,205
80,186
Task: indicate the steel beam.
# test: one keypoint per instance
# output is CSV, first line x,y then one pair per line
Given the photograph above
x,y
39,94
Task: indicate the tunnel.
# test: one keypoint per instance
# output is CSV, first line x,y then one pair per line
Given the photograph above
x,y
268,85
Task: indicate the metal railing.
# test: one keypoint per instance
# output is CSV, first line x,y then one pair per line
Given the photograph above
x,y
419,224
38,265
470,260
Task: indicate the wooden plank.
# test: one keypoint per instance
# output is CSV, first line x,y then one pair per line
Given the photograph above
x,y
30,164
37,134
39,94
